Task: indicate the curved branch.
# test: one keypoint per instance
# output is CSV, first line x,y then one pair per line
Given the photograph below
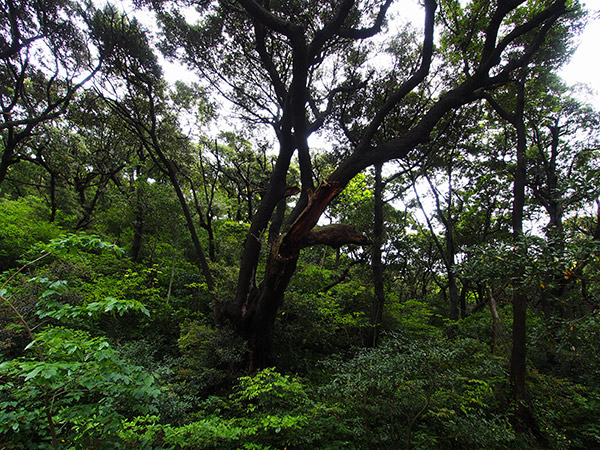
x,y
342,276
411,83
330,29
491,56
365,33
334,236
267,62
264,16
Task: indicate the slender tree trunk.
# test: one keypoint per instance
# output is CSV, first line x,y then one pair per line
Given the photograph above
x,y
53,207
518,353
453,292
377,264
596,232
518,357
138,231
463,299
202,261
171,278
518,360
495,322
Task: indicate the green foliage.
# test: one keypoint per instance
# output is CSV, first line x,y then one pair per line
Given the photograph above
x,y
69,384
88,334
212,359
23,224
567,412
422,394
265,411
314,323
90,389
413,317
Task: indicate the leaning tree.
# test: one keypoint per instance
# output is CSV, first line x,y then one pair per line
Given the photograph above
x,y
306,67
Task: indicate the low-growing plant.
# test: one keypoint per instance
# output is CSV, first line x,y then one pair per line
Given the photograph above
x,y
69,389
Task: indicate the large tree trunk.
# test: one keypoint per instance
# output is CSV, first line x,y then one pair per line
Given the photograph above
x,y
257,312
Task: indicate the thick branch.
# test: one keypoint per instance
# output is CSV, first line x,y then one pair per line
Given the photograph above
x,y
365,33
491,32
334,236
411,83
549,15
267,61
307,219
332,27
270,20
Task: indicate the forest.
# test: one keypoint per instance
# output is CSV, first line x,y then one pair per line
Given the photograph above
x,y
287,224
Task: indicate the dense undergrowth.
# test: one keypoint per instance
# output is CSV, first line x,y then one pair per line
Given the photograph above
x,y
96,355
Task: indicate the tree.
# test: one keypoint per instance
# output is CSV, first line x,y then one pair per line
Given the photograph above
x,y
298,66
561,162
49,50
133,87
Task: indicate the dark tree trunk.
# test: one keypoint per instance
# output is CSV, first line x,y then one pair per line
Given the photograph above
x,y
5,163
138,232
269,298
453,292
377,264
550,197
518,358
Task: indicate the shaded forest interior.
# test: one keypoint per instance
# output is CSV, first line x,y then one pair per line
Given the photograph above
x,y
350,231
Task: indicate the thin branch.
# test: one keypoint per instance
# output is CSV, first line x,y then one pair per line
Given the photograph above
x,y
342,276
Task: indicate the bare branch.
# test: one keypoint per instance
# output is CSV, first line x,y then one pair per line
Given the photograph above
x,y
334,236
342,276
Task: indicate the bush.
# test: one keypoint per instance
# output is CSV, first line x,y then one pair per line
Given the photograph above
x,y
23,223
265,411
69,388
422,394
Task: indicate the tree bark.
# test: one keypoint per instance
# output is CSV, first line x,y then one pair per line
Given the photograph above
x,y
138,231
376,263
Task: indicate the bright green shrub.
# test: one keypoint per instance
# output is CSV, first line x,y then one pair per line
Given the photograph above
x,y
265,411
69,388
79,383
23,223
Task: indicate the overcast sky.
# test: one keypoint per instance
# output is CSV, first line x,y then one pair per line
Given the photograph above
x,y
584,67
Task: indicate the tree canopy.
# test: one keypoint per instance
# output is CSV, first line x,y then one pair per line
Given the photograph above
x,y
349,231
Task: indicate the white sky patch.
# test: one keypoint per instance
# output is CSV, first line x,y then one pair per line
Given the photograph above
x,y
584,66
